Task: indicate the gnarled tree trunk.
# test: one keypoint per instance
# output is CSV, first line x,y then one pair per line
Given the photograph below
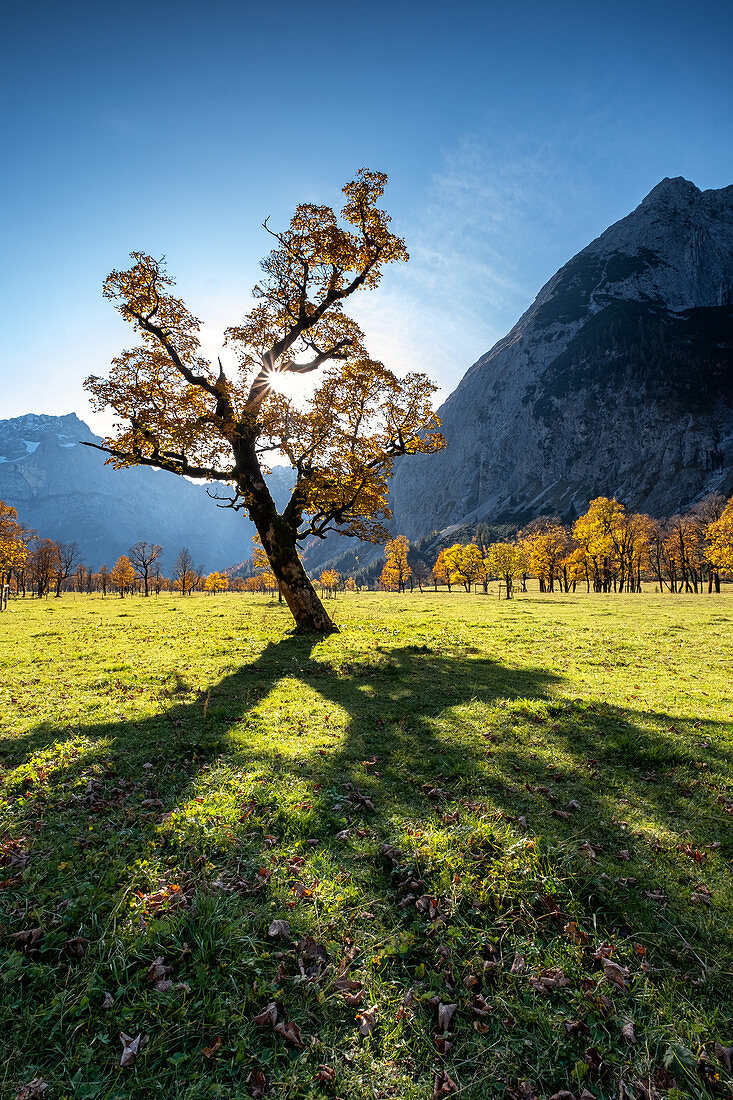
x,y
278,535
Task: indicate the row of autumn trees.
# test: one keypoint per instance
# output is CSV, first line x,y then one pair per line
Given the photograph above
x,y
608,549
30,564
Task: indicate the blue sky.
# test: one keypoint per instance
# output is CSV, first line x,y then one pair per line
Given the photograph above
x,y
513,134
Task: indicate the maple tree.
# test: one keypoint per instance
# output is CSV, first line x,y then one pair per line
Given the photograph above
x,y
329,580
546,543
719,534
507,560
177,413
13,544
123,574
143,555
465,563
216,582
442,570
396,567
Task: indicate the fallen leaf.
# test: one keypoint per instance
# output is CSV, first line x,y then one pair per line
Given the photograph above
x,y
519,964
35,1088
367,1021
158,970
547,980
443,1085
627,1030
445,1015
107,1001
131,1047
209,1052
280,929
624,855
267,1016
257,1083
576,1028
615,974
724,1055
325,1075
574,933
291,1032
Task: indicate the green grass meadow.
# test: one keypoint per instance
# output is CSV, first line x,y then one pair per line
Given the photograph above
x,y
499,833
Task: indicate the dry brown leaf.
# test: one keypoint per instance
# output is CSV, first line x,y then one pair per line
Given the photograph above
x,y
443,1085
158,970
257,1084
367,1020
267,1016
35,1088
445,1015
325,1075
107,1001
164,985
724,1055
131,1047
615,974
624,855
291,1032
574,933
280,929
209,1052
627,1030
547,980
519,964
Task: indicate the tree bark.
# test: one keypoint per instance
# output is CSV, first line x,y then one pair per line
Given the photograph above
x,y
299,594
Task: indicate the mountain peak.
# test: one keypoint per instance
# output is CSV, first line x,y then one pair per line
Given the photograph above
x,y
677,188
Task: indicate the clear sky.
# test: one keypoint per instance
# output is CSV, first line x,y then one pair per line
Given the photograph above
x,y
512,133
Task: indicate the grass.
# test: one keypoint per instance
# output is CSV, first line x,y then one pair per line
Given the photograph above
x,y
520,809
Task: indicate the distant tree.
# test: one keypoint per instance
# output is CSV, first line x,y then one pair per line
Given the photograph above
x,y
216,582
422,573
13,545
178,414
507,560
396,569
442,571
104,578
43,564
143,555
350,585
123,575
703,514
328,581
157,580
68,553
465,563
546,543
184,575
719,536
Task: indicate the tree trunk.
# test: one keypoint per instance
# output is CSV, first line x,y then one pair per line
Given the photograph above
x,y
299,594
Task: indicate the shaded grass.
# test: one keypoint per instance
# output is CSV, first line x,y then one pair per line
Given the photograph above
x,y
178,774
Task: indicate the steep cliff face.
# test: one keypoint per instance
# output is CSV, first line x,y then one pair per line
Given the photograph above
x,y
618,380
64,491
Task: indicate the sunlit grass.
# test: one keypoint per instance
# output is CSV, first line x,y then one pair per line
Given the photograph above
x,y
552,774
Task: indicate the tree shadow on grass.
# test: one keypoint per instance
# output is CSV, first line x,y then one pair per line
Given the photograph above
x,y
182,835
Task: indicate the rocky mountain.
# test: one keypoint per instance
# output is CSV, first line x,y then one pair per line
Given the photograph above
x,y
64,491
618,380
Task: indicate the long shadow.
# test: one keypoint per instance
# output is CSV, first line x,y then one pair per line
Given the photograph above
x,y
408,756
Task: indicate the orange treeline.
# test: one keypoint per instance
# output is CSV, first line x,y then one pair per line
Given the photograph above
x,y
608,549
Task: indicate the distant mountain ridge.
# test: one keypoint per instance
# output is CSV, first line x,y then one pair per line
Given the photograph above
x,y
65,492
618,380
